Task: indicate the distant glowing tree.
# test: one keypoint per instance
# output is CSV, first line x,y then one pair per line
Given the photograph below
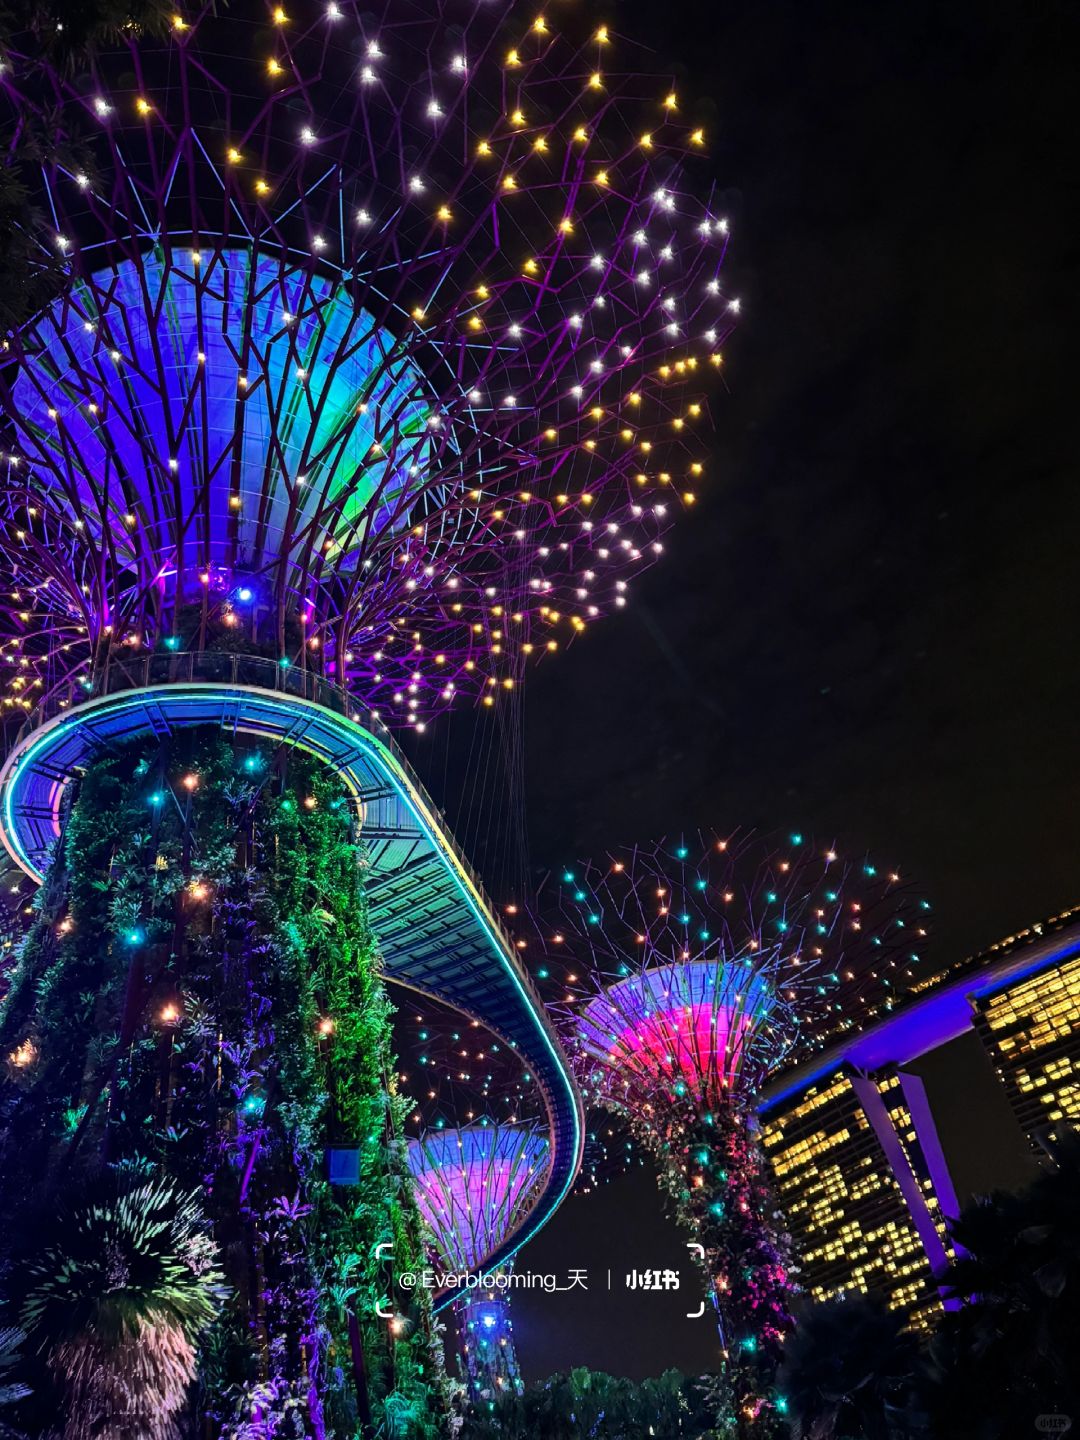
x,y
686,974
474,1187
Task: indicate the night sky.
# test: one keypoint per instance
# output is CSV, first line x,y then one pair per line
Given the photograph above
x,y
867,628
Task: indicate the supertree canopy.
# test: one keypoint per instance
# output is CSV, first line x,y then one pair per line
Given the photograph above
x,y
684,975
474,1185
363,356
381,344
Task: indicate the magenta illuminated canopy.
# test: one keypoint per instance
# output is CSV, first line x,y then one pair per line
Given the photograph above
x,y
476,1186
695,1024
699,967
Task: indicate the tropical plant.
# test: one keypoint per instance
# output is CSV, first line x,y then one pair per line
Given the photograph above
x,y
10,1390
1008,1354
849,1368
117,1300
584,1404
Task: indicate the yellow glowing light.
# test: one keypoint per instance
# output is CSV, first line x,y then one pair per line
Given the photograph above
x,y
550,433
483,148
509,183
179,23
273,67
540,25
596,80
697,137
581,134
279,16
475,323
602,35
540,143
234,155
261,187
566,225
444,212
518,117
513,58
418,313
646,141
530,267
602,178
142,106
671,102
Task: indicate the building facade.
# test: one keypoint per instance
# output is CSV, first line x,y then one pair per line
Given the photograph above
x,y
1030,1028
858,1165
860,1177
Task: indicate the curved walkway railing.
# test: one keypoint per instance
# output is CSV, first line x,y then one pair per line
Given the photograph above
x,y
224,668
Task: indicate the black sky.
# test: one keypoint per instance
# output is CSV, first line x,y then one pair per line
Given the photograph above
x,y
868,629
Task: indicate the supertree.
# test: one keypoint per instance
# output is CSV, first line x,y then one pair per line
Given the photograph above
x,y
684,974
375,349
475,1184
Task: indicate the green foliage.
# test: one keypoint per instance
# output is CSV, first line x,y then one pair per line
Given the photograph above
x,y
11,1390
114,1302
133,1250
1010,1352
201,992
849,1364
585,1404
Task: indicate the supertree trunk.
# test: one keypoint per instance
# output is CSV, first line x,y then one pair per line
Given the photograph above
x,y
489,1357
729,1209
199,994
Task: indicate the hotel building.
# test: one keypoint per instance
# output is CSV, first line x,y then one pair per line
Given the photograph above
x,y
858,1166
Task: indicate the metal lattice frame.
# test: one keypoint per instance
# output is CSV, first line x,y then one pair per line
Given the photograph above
x,y
701,967
399,322
476,1185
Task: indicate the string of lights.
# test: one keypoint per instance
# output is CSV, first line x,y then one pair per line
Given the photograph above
x,y
685,974
383,346
474,1186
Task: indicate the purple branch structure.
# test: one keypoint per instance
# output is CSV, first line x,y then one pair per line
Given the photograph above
x,y
474,1185
684,975
382,346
